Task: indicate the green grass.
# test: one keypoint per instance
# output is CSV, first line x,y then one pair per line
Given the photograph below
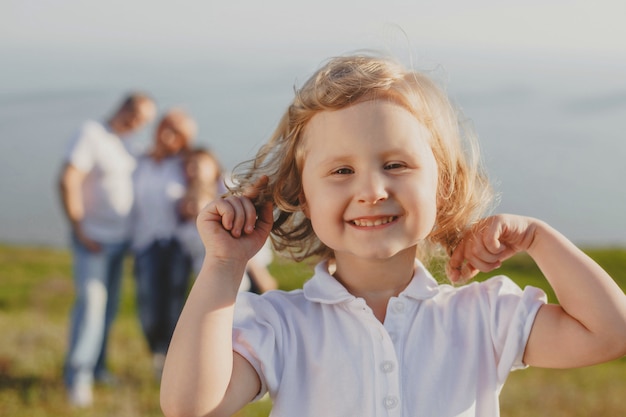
x,y
36,294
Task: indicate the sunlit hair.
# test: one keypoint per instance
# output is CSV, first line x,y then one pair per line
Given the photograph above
x,y
182,123
464,193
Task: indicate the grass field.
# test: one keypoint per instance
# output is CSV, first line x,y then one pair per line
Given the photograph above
x,y
35,298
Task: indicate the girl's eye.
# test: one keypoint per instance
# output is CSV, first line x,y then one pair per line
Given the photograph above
x,y
342,171
394,165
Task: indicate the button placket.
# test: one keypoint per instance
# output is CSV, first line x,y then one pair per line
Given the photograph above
x,y
390,401
394,324
387,366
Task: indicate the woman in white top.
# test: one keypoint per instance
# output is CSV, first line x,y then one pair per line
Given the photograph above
x,y
162,267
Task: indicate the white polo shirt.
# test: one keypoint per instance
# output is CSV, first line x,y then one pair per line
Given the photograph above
x,y
442,350
108,186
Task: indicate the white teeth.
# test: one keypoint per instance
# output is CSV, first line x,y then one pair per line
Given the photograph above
x,y
371,223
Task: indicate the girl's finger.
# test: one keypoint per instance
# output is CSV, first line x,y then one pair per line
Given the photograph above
x,y
461,273
468,271
455,263
265,216
250,215
243,211
220,211
481,254
483,265
260,211
458,255
230,213
492,235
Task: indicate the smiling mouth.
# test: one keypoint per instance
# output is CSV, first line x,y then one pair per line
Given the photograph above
x,y
372,223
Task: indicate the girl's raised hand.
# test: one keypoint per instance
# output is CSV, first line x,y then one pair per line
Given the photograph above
x,y
487,244
232,227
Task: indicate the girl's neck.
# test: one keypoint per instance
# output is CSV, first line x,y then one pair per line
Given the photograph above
x,y
376,281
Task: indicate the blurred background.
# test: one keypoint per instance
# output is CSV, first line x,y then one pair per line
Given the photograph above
x,y
543,83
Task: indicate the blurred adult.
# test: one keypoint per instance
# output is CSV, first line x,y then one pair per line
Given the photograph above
x,y
162,266
97,195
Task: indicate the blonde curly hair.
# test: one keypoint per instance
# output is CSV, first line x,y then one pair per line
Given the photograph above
x,y
464,192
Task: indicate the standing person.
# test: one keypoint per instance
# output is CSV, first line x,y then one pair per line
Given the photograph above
x,y
203,175
97,196
258,278
205,182
367,170
162,267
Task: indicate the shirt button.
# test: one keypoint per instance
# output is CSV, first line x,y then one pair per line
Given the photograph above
x,y
390,402
398,307
387,366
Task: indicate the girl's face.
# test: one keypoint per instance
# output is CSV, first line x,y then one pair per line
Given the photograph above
x,y
369,180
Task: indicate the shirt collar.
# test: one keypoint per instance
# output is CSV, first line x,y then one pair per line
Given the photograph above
x,y
324,288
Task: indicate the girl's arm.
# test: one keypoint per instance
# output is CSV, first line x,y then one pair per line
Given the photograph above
x,y
589,325
202,375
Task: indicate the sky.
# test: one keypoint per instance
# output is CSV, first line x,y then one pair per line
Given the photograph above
x,y
282,26
562,38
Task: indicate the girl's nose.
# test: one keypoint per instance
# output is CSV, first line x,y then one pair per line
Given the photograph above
x,y
372,189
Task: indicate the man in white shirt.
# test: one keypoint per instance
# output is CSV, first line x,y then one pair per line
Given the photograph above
x,y
97,196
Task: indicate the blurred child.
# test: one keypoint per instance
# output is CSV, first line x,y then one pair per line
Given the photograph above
x,y
204,183
204,178
368,171
202,168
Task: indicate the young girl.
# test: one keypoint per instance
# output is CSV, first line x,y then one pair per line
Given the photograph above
x,y
367,170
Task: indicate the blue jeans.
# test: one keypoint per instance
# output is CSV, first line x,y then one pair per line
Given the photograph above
x,y
162,273
97,279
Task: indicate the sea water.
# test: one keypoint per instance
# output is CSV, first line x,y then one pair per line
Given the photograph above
x,y
553,140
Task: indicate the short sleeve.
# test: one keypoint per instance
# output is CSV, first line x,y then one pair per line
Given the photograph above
x,y
256,337
513,312
80,152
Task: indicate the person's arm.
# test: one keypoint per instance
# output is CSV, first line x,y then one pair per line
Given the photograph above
x,y
202,374
70,186
589,324
263,279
